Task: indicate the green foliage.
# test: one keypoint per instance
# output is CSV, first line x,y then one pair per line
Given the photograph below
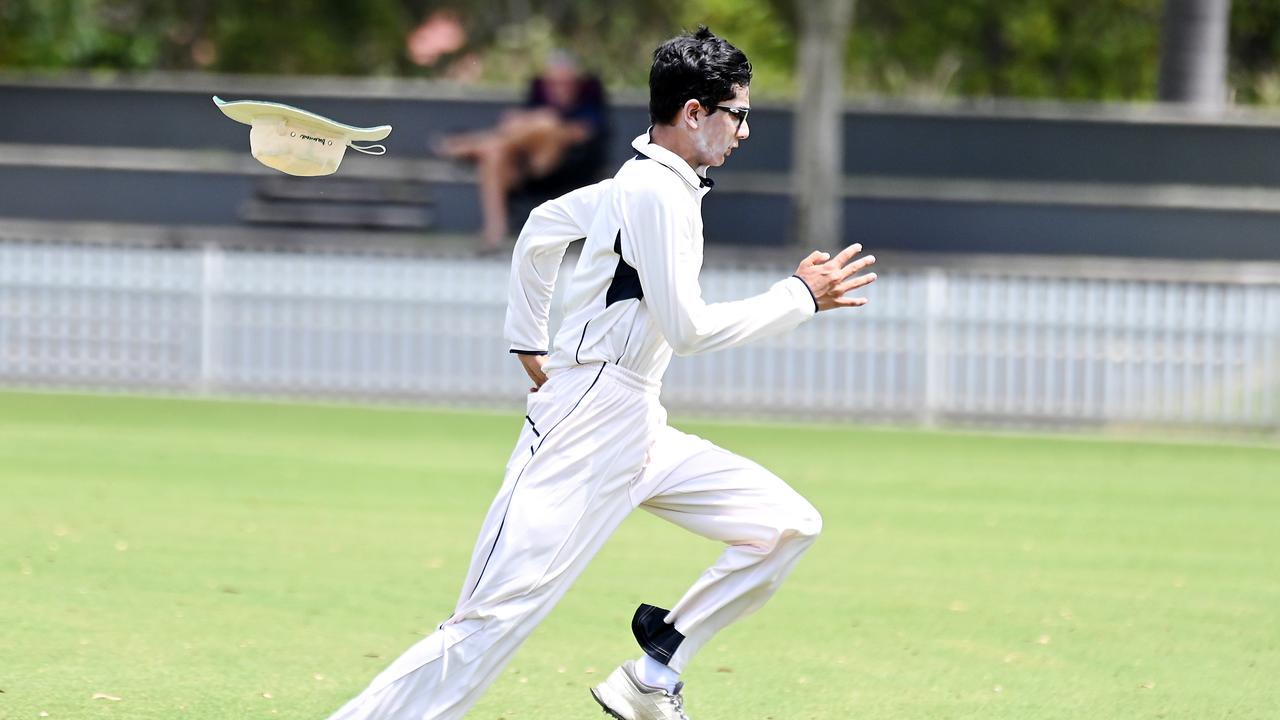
x,y
614,40
308,37
1255,50
252,36
1078,49
1075,49
761,29
78,34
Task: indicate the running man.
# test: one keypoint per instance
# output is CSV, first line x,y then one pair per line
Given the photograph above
x,y
596,444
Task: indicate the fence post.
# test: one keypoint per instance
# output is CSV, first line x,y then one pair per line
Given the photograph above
x,y
211,261
935,350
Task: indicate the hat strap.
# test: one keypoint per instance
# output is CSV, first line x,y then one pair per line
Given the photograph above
x,y
369,149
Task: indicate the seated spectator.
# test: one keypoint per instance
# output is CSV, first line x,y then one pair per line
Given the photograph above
x,y
552,145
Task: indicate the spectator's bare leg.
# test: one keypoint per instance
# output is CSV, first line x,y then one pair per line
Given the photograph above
x,y
542,137
539,137
517,128
547,154
496,167
465,146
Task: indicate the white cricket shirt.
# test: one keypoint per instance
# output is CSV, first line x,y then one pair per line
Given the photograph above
x,y
634,297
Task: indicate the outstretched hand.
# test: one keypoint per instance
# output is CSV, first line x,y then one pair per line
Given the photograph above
x,y
830,278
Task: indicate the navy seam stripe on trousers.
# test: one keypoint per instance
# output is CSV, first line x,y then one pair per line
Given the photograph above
x,y
532,453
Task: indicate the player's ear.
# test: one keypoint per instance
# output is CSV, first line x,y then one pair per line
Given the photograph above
x,y
689,113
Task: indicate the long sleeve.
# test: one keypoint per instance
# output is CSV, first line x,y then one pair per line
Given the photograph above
x,y
536,262
659,240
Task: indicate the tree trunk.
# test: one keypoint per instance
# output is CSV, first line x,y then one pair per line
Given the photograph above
x,y
818,142
1193,59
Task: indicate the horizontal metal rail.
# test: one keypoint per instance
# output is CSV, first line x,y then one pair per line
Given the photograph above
x,y
934,346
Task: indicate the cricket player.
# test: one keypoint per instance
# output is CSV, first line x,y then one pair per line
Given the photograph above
x,y
595,444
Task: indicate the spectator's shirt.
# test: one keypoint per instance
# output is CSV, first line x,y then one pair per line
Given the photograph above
x,y
634,298
588,107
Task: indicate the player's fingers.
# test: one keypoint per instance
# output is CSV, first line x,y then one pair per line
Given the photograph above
x,y
815,257
857,266
847,254
850,301
855,282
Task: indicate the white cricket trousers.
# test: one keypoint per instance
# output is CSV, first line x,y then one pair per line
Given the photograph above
x,y
595,446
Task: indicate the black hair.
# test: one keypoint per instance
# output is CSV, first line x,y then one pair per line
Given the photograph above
x,y
698,66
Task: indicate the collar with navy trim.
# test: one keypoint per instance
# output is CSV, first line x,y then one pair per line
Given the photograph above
x,y
645,145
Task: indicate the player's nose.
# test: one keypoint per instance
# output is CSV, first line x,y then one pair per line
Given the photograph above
x,y
744,130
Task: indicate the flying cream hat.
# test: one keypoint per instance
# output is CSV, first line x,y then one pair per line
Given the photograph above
x,y
298,142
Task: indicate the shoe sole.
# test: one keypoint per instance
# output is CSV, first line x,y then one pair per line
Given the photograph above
x,y
607,710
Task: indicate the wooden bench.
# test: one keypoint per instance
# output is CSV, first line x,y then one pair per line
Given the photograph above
x,y
338,202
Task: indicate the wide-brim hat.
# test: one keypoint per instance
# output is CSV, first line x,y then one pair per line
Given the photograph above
x,y
297,141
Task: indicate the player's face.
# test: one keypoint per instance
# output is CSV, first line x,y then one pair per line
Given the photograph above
x,y
721,131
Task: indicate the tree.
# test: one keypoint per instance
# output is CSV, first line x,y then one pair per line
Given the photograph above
x,y
1193,59
818,141
812,37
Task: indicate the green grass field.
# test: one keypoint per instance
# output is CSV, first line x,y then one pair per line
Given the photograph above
x,y
220,560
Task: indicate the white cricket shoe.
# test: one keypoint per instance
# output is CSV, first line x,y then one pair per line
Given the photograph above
x,y
623,696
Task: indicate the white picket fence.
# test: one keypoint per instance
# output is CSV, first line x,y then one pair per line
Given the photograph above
x,y
933,346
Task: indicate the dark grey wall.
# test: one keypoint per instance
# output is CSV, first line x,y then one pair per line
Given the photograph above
x,y
881,142
190,120
1062,150
878,142
749,219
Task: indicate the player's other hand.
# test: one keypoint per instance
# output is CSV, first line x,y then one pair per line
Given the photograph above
x,y
533,367
831,278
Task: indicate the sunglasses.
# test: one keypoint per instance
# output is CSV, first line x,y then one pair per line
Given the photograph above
x,y
738,112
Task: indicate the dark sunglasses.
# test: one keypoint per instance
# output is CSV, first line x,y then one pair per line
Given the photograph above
x,y
738,112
